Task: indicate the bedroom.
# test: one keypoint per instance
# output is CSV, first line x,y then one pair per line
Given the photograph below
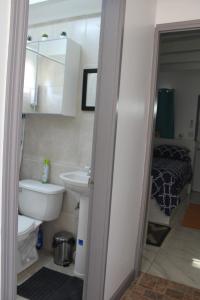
x,y
172,239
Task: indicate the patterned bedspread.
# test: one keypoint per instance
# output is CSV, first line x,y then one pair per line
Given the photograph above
x,y
169,178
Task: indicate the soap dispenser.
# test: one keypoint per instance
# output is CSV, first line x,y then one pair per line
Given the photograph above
x,y
45,173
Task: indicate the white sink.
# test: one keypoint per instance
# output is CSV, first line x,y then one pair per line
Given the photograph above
x,y
77,181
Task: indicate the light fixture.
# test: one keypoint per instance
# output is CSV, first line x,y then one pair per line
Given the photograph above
x,y
29,38
36,1
45,37
196,263
63,35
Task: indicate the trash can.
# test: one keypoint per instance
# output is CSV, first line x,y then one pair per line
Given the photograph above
x,y
63,245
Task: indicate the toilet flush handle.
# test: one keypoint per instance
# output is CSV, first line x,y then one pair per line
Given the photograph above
x,y
91,181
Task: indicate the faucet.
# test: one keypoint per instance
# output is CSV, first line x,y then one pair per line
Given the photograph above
x,y
88,170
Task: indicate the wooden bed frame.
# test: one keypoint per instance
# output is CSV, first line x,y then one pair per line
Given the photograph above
x,y
155,214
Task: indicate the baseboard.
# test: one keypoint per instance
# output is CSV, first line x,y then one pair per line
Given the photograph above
x,y
123,287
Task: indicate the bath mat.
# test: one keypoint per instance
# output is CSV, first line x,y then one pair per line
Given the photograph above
x,y
156,234
192,216
47,284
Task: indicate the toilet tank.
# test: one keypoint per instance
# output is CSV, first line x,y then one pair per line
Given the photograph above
x,y
41,201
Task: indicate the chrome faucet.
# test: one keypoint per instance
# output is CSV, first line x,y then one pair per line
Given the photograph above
x,y
88,169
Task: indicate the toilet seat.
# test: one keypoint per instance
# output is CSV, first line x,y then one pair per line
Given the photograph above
x,y
26,225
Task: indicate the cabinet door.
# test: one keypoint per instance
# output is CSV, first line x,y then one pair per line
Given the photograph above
x,y
50,77
50,82
30,89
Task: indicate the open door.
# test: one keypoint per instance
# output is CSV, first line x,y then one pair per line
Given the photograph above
x,y
132,150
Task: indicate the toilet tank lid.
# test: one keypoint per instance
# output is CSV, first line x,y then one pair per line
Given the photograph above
x,y
37,186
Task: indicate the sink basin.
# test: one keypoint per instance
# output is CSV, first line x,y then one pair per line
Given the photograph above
x,y
77,181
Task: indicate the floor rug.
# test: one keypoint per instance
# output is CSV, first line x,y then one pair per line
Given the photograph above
x,y
156,234
148,287
192,216
47,284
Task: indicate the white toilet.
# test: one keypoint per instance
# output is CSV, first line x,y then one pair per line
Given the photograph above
x,y
38,202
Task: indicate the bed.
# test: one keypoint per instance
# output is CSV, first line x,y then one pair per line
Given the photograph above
x,y
171,178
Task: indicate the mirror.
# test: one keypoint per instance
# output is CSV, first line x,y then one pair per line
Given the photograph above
x,y
51,67
89,89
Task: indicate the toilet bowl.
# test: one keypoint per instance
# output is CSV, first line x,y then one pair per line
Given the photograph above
x,y
26,225
26,242
37,203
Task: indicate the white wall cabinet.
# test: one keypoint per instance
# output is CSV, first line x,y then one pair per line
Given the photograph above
x,y
51,77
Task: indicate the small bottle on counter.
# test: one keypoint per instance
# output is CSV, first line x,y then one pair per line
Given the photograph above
x,y
45,173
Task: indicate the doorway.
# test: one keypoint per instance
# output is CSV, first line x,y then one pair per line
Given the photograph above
x,y
113,16
56,147
172,236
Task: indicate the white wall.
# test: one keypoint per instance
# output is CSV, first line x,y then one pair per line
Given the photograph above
x,y
131,142
187,90
169,11
4,33
66,141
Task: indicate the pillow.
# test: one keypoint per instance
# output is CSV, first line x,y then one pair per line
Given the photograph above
x,y
172,152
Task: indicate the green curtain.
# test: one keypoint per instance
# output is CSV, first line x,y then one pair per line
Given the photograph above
x,y
165,114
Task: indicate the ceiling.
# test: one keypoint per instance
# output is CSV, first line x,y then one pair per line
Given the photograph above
x,y
42,11
180,50
40,2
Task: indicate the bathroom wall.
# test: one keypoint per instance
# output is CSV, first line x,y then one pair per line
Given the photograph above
x,y
66,141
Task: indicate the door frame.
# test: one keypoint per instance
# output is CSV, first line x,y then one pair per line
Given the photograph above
x,y
160,28
113,12
11,145
109,71
196,144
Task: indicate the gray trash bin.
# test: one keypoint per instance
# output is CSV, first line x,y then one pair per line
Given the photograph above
x,y
63,245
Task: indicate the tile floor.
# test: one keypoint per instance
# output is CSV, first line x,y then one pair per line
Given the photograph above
x,y
149,287
45,260
178,259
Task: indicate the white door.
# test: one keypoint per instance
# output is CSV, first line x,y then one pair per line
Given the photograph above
x,y
129,180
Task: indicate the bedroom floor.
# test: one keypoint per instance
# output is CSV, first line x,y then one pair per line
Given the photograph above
x,y
178,259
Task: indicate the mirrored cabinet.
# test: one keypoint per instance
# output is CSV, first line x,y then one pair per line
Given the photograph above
x,y
52,71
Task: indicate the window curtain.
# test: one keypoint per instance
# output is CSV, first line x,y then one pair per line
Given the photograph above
x,y
165,114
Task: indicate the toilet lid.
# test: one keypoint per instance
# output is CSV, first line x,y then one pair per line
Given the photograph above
x,y
26,224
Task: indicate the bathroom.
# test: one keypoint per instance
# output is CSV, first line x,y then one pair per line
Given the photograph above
x,y
57,131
